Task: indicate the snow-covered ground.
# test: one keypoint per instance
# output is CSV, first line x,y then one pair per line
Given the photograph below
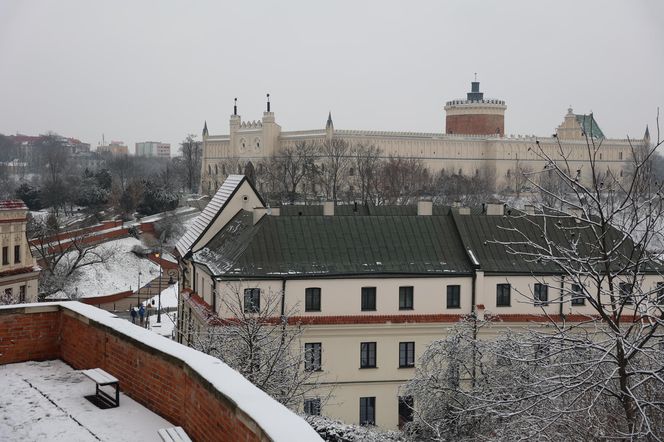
x,y
167,324
45,401
169,297
118,274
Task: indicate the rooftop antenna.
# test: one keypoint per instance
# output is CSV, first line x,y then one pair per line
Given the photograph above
x,y
268,102
475,76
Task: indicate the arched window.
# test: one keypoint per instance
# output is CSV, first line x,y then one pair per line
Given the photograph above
x,y
216,170
223,169
209,169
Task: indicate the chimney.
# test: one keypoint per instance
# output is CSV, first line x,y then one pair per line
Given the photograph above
x,y
259,212
529,209
328,208
495,209
424,208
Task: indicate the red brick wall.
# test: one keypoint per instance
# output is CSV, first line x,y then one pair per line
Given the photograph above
x,y
29,337
475,124
158,381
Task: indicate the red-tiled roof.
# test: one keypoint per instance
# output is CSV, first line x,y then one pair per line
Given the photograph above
x,y
12,205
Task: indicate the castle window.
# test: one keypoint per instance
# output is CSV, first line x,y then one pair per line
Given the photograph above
x,y
223,169
351,171
620,155
209,169
17,254
5,256
216,169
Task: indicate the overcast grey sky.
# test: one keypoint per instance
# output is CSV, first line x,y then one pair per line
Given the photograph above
x,y
155,70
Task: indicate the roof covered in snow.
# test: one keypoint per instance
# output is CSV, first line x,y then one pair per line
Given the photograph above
x,y
208,215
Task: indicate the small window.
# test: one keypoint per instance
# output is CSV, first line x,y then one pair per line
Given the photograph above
x,y
209,169
312,406
5,255
216,169
368,298
351,171
453,296
252,300
405,410
367,411
312,299
312,356
223,169
21,294
406,354
626,293
406,298
541,294
17,254
620,157
503,295
578,297
368,355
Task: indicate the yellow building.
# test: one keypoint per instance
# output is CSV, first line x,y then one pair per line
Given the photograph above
x,y
373,285
19,272
475,142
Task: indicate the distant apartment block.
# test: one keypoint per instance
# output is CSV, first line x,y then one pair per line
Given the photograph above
x,y
153,149
114,148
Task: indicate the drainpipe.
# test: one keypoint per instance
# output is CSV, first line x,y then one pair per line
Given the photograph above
x,y
283,298
472,293
562,291
214,296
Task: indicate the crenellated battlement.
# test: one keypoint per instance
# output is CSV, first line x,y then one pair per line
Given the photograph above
x,y
483,101
256,124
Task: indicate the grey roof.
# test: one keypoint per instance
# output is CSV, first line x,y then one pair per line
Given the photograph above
x,y
208,214
318,246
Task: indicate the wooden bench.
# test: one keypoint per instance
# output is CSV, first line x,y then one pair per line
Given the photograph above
x,y
174,434
103,379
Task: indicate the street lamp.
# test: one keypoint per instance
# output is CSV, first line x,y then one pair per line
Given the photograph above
x,y
138,298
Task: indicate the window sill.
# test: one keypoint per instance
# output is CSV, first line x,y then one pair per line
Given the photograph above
x,y
368,310
406,366
503,306
312,311
454,308
404,308
364,368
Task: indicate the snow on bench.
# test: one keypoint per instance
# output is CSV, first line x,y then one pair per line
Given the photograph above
x,y
101,379
174,434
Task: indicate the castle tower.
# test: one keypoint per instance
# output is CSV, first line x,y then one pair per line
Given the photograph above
x,y
475,115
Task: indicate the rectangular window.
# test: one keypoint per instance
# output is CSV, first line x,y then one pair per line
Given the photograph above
x,y
312,299
405,410
5,256
406,298
367,411
626,293
503,295
406,354
578,297
252,300
312,356
368,355
453,296
660,293
9,296
17,254
312,406
368,298
541,294
21,294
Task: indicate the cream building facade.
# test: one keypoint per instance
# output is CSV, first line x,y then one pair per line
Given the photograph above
x,y
372,285
19,272
474,143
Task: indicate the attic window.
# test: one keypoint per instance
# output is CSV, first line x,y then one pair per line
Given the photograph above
x,y
245,198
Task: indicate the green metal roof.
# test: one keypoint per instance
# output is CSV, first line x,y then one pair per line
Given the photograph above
x,y
335,245
589,125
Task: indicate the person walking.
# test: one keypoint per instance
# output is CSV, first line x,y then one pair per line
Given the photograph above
x,y
133,314
141,313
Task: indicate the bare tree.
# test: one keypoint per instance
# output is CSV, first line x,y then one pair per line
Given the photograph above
x,y
262,345
61,257
402,180
335,161
291,166
367,165
192,155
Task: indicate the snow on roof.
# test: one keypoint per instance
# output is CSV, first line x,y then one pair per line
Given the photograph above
x,y
208,214
12,205
277,421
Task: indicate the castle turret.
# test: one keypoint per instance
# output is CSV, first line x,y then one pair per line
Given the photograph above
x,y
271,130
475,115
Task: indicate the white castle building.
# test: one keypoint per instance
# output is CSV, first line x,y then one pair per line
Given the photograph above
x,y
474,142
